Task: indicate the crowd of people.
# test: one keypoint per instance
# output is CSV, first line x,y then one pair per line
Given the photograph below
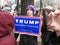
x,y
52,23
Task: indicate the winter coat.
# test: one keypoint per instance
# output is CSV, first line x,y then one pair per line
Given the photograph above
x,y
54,39
6,27
28,40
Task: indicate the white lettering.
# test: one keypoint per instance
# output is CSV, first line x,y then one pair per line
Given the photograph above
x,y
31,22
20,21
26,21
17,20
36,22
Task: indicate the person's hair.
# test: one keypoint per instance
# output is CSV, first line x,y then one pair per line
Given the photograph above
x,y
44,26
30,7
36,13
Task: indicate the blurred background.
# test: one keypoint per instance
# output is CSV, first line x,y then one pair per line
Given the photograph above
x,y
21,5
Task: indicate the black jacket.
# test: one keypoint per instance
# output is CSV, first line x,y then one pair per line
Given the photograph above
x,y
54,39
28,40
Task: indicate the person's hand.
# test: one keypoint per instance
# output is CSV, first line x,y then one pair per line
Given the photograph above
x,y
55,22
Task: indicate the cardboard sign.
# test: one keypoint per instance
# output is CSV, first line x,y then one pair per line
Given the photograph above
x,y
27,25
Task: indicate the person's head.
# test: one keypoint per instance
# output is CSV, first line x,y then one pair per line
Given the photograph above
x,y
6,21
30,10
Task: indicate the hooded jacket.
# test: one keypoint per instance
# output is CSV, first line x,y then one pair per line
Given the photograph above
x,y
6,27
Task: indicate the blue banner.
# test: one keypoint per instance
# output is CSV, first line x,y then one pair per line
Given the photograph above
x,y
26,24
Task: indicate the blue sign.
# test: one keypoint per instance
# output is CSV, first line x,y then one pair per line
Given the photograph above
x,y
26,24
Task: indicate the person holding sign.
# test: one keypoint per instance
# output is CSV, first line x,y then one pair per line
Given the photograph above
x,y
26,39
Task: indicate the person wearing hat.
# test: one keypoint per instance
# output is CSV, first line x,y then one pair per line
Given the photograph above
x,y
6,28
28,39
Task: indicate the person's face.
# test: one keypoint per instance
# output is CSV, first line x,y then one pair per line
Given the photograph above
x,y
29,12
